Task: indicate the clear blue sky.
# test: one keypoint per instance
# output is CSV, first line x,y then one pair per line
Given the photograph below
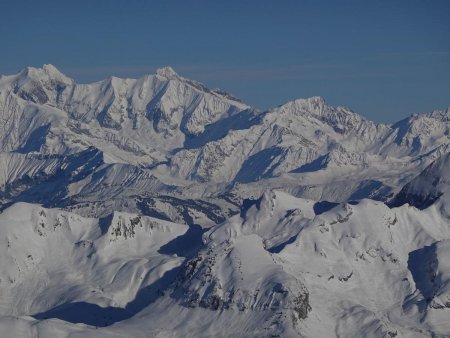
x,y
385,59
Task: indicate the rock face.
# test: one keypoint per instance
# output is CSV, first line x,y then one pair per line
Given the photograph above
x,y
159,207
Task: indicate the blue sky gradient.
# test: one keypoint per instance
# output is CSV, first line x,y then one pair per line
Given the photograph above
x,y
384,59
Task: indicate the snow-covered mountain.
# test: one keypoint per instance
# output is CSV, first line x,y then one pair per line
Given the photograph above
x,y
159,207
278,268
433,184
167,129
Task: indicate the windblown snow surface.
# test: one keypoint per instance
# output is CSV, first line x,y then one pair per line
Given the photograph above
x,y
156,207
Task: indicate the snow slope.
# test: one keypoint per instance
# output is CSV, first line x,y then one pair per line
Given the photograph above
x,y
285,266
187,139
159,207
432,184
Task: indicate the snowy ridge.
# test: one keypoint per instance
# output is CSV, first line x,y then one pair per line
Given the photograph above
x,y
431,185
159,207
349,267
184,133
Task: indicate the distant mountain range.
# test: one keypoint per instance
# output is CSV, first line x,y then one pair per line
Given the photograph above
x,y
159,207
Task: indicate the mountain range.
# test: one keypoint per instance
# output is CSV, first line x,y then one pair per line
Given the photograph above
x,y
160,207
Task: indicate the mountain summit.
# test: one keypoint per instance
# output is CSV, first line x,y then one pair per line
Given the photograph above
x,y
159,207
167,72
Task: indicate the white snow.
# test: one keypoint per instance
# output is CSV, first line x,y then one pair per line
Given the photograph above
x,y
156,207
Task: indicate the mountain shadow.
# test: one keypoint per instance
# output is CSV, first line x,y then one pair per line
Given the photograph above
x,y
186,245
422,263
95,315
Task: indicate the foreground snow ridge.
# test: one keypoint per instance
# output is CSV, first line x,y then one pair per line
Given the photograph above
x,y
156,207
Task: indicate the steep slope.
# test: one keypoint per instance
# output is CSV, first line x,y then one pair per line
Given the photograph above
x,y
81,269
205,142
115,115
432,184
307,136
285,266
418,134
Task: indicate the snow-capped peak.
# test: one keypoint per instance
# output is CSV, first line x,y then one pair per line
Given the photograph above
x,y
315,105
312,102
167,72
45,73
130,159
51,70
